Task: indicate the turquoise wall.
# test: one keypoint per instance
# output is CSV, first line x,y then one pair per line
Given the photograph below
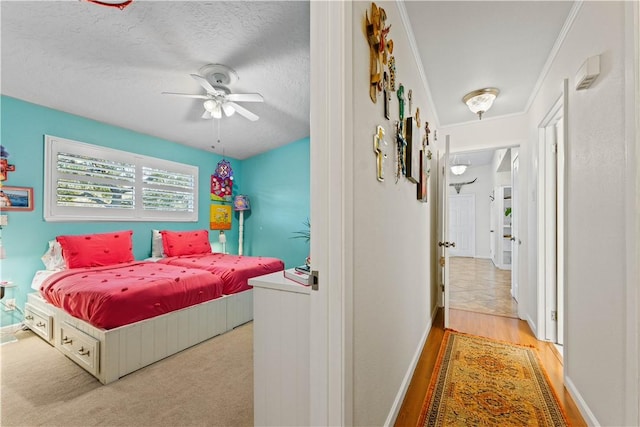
x,y
23,126
277,183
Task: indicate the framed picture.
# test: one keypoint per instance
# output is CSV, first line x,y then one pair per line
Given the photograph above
x,y
423,188
220,217
412,160
16,198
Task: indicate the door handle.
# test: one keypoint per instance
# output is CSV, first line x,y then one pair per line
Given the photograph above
x,y
447,244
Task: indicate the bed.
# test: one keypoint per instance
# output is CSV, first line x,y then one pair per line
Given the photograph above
x,y
192,249
234,270
111,296
110,335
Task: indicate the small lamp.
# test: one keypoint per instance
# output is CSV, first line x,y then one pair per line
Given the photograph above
x,y
241,204
222,238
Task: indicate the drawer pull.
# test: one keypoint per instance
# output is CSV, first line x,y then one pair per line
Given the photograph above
x,y
28,317
66,340
83,352
41,324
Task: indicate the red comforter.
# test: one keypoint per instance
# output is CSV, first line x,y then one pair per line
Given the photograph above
x,y
234,270
117,295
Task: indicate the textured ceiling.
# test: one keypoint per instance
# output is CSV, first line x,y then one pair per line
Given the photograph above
x,y
111,65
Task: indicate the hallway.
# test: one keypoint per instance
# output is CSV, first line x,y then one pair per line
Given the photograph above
x,y
496,327
477,285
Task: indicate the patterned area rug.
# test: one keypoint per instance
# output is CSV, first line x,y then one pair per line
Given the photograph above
x,y
478,381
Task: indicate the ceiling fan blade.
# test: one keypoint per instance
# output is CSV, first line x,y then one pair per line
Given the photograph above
x,y
206,114
243,111
245,97
186,95
206,85
228,109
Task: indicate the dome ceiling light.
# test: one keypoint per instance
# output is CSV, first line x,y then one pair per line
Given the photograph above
x,y
479,101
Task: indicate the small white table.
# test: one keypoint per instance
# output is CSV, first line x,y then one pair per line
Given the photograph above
x,y
281,351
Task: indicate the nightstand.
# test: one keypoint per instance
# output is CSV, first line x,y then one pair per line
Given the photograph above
x,y
6,339
5,284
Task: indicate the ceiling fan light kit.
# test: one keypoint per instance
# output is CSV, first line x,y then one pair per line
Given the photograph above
x,y
479,101
214,78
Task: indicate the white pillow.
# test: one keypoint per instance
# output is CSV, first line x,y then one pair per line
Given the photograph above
x,y
40,276
157,248
52,258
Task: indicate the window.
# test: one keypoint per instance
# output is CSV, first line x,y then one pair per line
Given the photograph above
x,y
91,183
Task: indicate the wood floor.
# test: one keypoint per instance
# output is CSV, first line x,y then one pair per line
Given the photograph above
x,y
475,284
491,326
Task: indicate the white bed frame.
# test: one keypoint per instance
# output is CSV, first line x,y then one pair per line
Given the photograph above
x,y
111,354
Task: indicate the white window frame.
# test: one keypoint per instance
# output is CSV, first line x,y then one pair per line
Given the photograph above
x,y
53,212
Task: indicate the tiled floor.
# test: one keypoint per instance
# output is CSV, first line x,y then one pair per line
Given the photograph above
x,y
477,285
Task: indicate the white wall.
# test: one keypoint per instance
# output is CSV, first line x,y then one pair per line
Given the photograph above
x,y
392,287
482,189
596,280
598,346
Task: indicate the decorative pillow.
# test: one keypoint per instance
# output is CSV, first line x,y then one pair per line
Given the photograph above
x,y
178,243
52,258
156,244
95,250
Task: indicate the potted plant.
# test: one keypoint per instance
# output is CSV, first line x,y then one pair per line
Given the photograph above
x,y
306,235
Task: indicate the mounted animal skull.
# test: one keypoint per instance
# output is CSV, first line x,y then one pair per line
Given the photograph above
x,y
458,185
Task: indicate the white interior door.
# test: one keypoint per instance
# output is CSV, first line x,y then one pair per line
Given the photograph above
x,y
462,224
515,214
551,227
443,228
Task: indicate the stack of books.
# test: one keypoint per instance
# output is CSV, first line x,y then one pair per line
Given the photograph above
x,y
300,274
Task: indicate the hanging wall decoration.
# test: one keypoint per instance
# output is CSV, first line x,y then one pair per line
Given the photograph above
x,y
5,167
412,136
401,101
379,48
401,147
222,182
425,166
387,95
220,217
425,171
380,148
392,74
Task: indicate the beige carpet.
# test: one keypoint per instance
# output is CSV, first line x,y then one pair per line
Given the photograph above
x,y
208,384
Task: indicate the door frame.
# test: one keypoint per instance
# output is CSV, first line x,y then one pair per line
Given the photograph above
x,y
544,324
331,212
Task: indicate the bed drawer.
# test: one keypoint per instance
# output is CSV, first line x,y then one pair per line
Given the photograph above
x,y
80,347
39,322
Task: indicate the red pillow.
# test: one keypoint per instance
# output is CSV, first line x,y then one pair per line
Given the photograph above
x,y
95,250
178,243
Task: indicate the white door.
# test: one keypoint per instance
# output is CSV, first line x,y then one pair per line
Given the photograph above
x,y
515,214
551,226
462,224
443,228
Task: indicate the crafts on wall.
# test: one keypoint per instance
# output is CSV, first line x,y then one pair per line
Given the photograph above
x,y
5,167
379,148
380,49
220,217
222,182
425,166
412,136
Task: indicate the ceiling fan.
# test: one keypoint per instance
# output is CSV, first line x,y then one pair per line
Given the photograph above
x,y
214,78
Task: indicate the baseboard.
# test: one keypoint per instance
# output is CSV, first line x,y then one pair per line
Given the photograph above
x,y
533,327
580,403
11,329
397,403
